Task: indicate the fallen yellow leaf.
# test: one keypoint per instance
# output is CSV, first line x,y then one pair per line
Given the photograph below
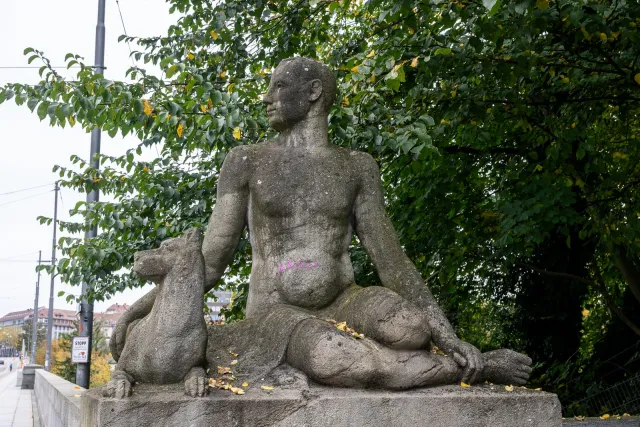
x,y
538,389
508,387
76,395
371,54
354,69
223,370
245,384
214,35
578,418
605,417
180,130
76,387
626,415
266,387
234,362
236,133
464,385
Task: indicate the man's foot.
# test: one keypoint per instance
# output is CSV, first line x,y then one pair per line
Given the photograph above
x,y
119,386
196,383
506,367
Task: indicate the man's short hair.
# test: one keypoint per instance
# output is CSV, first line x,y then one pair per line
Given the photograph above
x,y
310,69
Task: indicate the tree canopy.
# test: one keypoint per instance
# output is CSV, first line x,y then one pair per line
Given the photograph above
x,y
506,132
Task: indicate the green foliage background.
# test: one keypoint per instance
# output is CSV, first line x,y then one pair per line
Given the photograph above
x,y
506,133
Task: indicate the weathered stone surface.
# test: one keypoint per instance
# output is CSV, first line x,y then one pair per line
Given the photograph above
x,y
169,344
317,406
28,376
58,400
302,199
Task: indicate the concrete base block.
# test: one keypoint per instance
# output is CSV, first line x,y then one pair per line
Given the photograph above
x,y
450,406
28,376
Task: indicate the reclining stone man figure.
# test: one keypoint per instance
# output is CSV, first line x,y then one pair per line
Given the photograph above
x,y
302,199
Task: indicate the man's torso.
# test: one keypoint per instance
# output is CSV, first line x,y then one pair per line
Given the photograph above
x,y
300,223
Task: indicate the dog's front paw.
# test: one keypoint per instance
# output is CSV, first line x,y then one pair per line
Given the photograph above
x,y
120,385
196,383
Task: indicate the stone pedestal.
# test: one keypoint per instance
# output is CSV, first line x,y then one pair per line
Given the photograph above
x,y
315,406
28,376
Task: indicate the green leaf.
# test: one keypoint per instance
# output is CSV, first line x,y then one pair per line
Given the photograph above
x,y
442,51
491,5
42,110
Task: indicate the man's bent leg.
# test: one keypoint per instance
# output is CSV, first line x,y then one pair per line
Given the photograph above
x,y
384,316
332,357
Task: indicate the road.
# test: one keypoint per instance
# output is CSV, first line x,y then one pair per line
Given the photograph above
x,y
15,404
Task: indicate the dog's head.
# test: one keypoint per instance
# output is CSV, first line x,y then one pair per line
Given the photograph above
x,y
154,264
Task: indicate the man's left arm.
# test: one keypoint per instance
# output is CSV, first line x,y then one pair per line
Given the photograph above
x,y
397,272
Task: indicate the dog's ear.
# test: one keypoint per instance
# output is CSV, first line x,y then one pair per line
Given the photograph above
x,y
193,236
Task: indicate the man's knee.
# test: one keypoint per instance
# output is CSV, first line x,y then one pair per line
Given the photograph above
x,y
331,357
388,318
406,329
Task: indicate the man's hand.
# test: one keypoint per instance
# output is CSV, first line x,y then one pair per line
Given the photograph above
x,y
466,356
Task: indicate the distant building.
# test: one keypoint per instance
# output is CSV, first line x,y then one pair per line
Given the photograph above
x,y
64,321
107,321
223,299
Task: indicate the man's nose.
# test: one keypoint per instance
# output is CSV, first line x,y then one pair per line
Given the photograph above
x,y
266,98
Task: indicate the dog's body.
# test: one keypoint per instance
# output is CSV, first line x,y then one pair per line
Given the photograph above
x,y
169,344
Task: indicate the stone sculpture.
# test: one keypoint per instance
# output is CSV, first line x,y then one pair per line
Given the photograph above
x,y
302,199
168,345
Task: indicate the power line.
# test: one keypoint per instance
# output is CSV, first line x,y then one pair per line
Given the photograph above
x,y
25,198
125,33
25,189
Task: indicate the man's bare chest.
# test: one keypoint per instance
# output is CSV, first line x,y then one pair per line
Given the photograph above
x,y
301,183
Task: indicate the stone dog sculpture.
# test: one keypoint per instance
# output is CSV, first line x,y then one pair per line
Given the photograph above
x,y
302,199
168,345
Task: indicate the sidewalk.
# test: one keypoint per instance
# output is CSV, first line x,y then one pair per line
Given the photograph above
x,y
16,405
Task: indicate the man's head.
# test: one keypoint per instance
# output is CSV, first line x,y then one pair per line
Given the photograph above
x,y
299,86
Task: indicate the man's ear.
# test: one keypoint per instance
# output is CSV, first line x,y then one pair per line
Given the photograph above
x,y
315,90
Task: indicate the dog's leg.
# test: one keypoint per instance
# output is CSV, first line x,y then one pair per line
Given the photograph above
x,y
195,383
120,385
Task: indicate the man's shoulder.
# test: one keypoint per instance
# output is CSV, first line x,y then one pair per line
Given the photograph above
x,y
364,160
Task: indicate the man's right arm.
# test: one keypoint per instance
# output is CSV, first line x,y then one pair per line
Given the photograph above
x,y
220,240
229,215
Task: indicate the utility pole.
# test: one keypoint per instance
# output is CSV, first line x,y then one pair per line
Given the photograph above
x,y
83,371
47,359
34,335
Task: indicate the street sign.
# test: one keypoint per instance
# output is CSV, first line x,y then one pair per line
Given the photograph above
x,y
80,350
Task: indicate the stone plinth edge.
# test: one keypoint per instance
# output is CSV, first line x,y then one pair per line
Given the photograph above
x,y
450,406
58,400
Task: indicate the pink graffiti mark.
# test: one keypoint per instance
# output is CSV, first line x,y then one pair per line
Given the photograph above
x,y
290,265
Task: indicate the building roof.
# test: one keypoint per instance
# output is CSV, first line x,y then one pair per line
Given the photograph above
x,y
117,308
23,314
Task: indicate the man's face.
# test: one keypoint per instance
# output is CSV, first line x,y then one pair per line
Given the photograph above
x,y
287,100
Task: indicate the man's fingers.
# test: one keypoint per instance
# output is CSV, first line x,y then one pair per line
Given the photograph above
x,y
466,374
475,367
461,361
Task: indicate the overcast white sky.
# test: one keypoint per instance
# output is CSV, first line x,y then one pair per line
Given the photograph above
x,y
30,148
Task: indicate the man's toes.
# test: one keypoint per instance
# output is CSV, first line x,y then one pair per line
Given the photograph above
x,y
202,388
